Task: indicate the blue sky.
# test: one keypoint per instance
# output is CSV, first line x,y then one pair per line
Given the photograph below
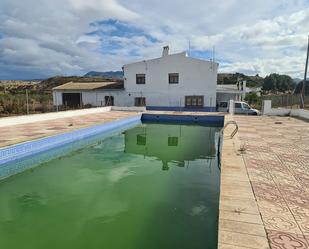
x,y
72,37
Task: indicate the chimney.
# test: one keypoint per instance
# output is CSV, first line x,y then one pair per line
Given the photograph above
x,y
165,51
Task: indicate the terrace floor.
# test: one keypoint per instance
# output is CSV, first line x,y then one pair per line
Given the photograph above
x,y
14,134
275,152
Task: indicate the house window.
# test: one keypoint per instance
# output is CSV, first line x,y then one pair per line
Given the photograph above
x,y
194,101
173,78
140,79
140,101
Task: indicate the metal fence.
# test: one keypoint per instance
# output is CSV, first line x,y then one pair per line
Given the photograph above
x,y
291,101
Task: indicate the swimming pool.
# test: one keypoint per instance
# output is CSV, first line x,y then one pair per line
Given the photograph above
x,y
150,186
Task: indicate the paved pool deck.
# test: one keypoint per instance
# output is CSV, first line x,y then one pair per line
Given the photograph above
x,y
18,132
264,199
13,134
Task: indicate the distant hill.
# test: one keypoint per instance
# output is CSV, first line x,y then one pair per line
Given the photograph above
x,y
297,80
46,86
231,78
109,74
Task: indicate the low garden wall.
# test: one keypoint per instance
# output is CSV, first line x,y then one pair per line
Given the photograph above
x,y
268,110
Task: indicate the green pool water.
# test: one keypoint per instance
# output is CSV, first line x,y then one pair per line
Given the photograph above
x,y
154,186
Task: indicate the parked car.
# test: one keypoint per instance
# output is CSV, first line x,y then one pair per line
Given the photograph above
x,y
239,106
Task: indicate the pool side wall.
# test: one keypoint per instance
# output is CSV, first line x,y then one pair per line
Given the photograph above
x,y
210,120
182,109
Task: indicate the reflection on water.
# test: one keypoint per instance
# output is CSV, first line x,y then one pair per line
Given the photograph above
x,y
113,194
172,144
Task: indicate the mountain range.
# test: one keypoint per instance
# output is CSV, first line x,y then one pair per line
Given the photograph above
x,y
108,74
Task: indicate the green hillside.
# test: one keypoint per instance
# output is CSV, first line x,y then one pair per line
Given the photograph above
x,y
231,78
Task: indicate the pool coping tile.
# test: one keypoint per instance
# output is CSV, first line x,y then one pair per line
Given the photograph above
x,y
240,223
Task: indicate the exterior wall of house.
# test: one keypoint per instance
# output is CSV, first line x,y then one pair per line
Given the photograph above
x,y
57,98
196,77
97,98
221,96
94,98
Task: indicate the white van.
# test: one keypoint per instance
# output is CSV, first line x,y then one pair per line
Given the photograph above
x,y
240,107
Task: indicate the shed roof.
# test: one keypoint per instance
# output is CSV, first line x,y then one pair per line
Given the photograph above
x,y
90,86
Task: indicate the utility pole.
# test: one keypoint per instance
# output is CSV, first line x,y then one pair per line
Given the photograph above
x,y
303,91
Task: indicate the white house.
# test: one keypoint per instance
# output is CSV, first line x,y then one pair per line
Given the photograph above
x,y
170,82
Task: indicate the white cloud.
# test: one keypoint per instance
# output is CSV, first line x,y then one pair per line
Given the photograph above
x,y
102,9
265,66
50,37
272,45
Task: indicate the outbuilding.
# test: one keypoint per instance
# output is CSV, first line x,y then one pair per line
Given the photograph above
x,y
78,94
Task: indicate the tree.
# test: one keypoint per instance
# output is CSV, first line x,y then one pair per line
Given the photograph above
x,y
285,83
276,82
270,83
251,97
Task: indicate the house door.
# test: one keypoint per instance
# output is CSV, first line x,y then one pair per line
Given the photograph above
x,y
109,100
72,100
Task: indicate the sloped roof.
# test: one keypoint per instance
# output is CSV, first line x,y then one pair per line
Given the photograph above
x,y
90,86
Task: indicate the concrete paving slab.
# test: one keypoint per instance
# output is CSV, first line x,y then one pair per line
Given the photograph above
x,y
276,158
